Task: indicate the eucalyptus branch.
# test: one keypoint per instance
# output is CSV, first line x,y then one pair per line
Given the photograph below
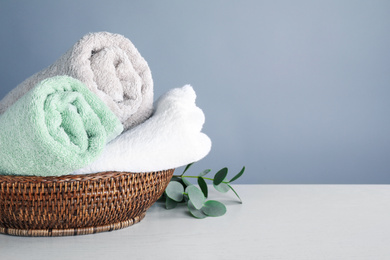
x,y
180,190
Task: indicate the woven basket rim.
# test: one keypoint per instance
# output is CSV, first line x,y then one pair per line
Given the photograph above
x,y
69,177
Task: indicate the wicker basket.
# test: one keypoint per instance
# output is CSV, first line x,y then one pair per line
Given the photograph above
x,y
77,204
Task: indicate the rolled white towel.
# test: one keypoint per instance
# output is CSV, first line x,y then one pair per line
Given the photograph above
x,y
111,67
170,138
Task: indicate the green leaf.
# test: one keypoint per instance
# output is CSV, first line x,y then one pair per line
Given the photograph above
x,y
238,174
175,191
235,193
176,178
203,186
196,196
187,167
195,212
214,208
204,172
220,176
186,182
170,203
222,187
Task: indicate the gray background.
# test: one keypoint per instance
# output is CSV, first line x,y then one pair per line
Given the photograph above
x,y
298,91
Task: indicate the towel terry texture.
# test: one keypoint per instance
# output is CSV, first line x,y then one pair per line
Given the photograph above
x,y
55,128
170,138
111,67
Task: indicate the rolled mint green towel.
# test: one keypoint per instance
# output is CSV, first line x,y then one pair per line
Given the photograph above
x,y
55,128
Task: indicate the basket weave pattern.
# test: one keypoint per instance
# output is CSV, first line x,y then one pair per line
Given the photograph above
x,y
77,204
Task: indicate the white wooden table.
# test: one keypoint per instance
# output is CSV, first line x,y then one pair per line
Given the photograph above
x,y
274,222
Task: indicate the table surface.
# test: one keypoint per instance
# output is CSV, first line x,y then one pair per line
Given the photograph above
x,y
274,222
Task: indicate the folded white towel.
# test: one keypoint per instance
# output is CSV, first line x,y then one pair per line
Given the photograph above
x,y
111,67
169,139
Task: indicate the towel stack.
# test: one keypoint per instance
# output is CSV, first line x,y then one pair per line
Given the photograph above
x,y
70,116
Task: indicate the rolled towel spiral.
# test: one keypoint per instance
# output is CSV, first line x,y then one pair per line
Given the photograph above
x,y
111,67
55,128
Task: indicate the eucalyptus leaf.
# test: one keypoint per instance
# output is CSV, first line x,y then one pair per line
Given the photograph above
x,y
214,208
203,186
204,172
220,176
186,182
195,212
222,187
196,196
238,174
180,180
170,203
176,178
187,167
175,191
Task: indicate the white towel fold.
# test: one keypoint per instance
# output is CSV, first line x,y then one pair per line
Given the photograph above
x,y
170,138
111,67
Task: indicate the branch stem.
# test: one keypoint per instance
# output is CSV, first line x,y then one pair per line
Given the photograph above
x,y
195,177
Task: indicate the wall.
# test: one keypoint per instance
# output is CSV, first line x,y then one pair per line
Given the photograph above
x,y
298,91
